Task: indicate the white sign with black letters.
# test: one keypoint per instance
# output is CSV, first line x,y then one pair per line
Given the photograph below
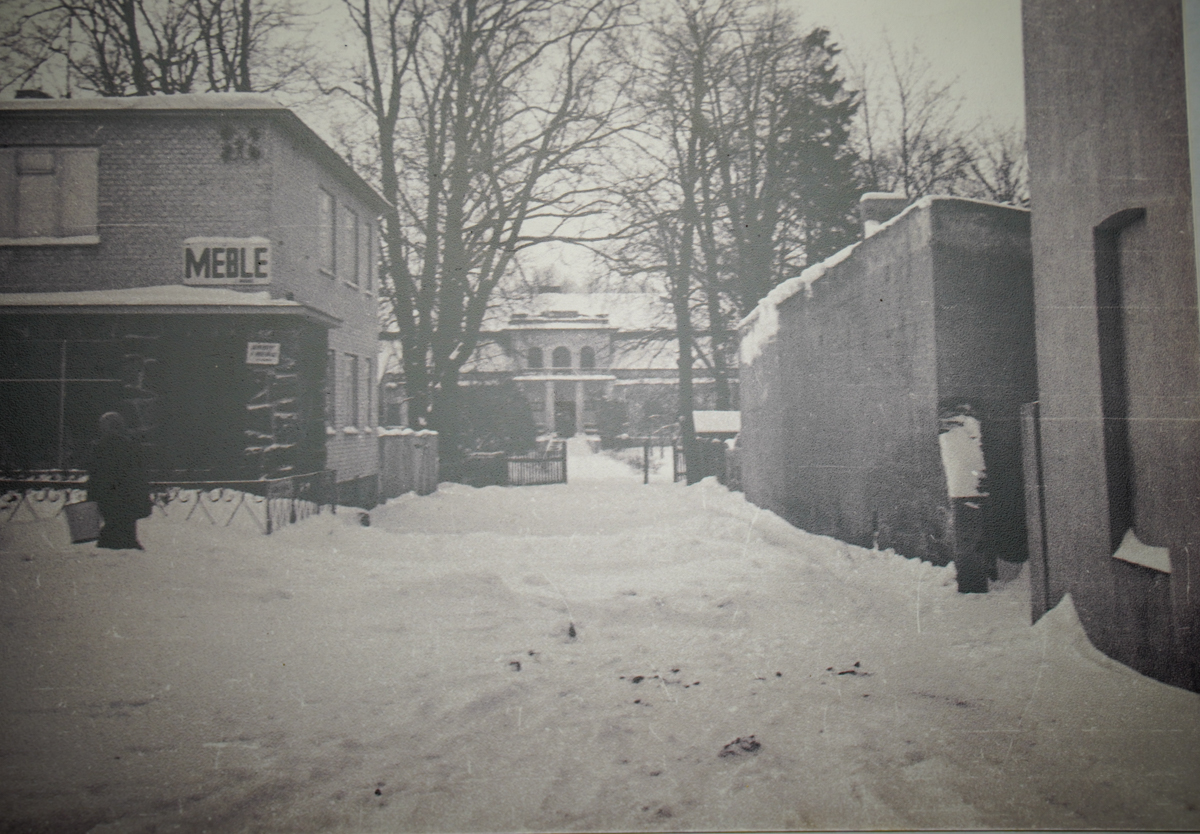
x,y
262,353
226,261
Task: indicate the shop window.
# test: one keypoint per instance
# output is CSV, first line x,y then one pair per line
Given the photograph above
x,y
51,393
49,196
326,232
587,357
561,357
331,389
535,358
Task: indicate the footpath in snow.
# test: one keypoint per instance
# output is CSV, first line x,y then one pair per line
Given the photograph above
x,y
600,655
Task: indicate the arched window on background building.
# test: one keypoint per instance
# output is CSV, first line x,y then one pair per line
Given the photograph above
x,y
587,357
535,357
562,357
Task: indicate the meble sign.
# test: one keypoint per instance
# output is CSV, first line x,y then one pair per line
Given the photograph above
x,y
222,261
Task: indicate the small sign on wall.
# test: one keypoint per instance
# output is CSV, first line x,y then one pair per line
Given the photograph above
x,y
225,261
262,353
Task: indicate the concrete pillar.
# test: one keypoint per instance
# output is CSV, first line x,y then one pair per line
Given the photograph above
x,y
579,408
549,411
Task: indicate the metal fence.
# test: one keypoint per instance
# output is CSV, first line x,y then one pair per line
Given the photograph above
x,y
546,466
269,503
39,495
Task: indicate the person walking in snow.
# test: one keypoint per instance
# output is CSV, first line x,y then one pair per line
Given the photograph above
x,y
117,483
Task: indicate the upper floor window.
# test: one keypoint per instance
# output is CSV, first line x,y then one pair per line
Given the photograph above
x,y
49,195
326,231
351,246
535,357
561,357
587,357
369,256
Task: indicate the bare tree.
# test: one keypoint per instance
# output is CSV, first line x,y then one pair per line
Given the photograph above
x,y
909,137
487,117
746,122
154,47
1000,168
782,143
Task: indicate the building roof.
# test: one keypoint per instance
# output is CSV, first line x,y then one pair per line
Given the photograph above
x,y
717,422
170,299
291,124
621,311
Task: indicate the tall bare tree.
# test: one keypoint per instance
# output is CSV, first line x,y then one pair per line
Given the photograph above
x,y
1000,167
154,47
912,140
909,133
746,121
487,116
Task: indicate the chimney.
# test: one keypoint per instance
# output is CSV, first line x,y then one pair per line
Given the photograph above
x,y
877,207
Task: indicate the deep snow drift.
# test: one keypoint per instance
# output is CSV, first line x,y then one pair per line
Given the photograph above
x,y
727,672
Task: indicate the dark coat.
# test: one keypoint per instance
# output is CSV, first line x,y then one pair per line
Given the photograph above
x,y
117,479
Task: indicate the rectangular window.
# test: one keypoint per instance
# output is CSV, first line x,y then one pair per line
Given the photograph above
x,y
352,415
350,246
49,195
326,232
370,392
369,257
331,388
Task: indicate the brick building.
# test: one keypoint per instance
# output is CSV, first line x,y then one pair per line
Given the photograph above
x,y
204,264
1114,446
879,385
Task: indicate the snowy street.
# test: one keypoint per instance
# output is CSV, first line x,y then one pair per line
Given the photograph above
x,y
726,672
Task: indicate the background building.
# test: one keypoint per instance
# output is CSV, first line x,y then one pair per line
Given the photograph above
x,y
204,264
1116,440
603,361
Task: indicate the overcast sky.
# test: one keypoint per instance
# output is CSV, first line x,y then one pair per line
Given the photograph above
x,y
976,41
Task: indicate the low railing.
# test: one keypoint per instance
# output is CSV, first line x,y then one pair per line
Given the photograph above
x,y
546,466
269,503
40,494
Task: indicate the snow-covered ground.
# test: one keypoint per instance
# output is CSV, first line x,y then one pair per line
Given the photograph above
x,y
726,672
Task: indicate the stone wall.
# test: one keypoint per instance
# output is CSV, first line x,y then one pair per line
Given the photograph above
x,y
847,370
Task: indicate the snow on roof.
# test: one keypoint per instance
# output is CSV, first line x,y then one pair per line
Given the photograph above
x,y
717,422
175,298
626,311
180,101
760,326
207,102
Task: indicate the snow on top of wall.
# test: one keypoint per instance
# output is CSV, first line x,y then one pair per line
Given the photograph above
x,y
762,324
759,328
